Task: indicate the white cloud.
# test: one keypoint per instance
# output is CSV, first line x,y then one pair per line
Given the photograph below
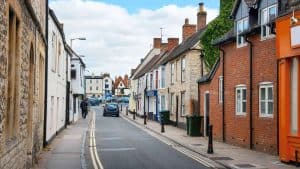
x,y
117,40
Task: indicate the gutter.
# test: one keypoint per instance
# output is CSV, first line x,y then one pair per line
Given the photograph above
x,y
46,77
251,88
223,94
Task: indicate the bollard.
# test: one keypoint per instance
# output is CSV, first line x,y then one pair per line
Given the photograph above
x,y
162,127
126,111
210,149
133,115
145,119
121,107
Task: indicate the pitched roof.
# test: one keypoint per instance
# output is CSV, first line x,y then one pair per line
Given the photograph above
x,y
163,55
184,46
148,66
227,37
249,3
141,66
208,77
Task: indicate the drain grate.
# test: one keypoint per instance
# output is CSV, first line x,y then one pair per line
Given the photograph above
x,y
221,158
197,144
245,165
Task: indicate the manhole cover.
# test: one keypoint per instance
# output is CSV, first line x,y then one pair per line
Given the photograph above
x,y
196,144
221,158
244,165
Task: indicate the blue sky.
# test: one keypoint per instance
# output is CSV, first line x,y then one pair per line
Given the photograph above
x,y
134,5
121,32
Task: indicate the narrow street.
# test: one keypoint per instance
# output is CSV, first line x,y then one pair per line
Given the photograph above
x,y
123,145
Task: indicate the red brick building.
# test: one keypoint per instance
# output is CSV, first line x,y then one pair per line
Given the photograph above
x,y
240,94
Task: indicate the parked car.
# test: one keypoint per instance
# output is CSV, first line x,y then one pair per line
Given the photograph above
x,y
94,102
111,109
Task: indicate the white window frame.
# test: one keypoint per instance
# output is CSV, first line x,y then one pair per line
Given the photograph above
x,y
221,83
182,104
172,102
183,68
241,88
243,40
163,78
163,102
268,29
173,73
266,86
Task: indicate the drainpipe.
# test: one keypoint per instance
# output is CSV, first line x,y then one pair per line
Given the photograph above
x,y
251,88
46,77
145,94
223,94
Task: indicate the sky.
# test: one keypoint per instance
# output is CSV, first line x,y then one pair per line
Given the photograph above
x,y
120,32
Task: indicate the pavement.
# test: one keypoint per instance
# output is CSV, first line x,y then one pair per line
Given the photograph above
x,y
66,149
224,154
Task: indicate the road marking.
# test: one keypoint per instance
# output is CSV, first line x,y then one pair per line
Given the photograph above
x,y
112,138
93,150
117,149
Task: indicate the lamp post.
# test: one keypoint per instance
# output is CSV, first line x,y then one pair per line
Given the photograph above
x,y
80,38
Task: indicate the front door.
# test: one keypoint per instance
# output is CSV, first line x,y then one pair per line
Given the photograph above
x,y
206,112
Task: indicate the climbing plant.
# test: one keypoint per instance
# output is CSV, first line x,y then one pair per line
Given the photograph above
x,y
216,29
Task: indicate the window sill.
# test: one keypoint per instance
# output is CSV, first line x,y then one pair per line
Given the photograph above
x,y
266,116
240,114
267,37
241,45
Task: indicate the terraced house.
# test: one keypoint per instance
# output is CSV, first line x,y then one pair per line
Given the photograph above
x,y
183,67
22,68
239,95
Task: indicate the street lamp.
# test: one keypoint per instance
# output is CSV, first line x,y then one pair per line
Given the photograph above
x,y
80,38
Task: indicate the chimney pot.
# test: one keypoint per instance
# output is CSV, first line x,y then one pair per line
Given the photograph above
x,y
201,7
186,21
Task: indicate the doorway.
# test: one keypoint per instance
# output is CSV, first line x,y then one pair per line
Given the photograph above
x,y
177,112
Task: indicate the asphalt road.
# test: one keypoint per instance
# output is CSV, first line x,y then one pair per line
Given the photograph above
x,y
121,145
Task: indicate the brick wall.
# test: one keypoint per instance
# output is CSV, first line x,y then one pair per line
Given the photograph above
x,y
237,72
215,116
21,151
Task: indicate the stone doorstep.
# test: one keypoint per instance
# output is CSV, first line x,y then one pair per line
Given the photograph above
x,y
225,161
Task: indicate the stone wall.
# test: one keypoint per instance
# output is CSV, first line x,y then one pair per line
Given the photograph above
x,y
20,151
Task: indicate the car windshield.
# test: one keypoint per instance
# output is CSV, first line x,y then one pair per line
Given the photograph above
x,y
112,106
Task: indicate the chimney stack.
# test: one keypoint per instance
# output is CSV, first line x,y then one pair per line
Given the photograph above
x,y
172,43
188,30
201,17
156,43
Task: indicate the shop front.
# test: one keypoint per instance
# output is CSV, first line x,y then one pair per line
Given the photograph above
x,y
288,52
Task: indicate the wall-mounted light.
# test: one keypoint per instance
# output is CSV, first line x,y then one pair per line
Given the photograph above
x,y
294,20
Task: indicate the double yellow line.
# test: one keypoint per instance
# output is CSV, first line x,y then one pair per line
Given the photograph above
x,y
93,146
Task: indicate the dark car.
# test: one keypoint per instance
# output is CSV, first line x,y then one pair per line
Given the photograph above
x,y
111,109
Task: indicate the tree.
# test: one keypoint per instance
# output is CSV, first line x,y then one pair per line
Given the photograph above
x,y
216,29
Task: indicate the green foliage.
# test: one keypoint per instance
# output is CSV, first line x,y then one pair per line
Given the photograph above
x,y
216,29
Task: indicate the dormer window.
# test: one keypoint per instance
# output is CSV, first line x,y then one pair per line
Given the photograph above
x,y
241,26
268,14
